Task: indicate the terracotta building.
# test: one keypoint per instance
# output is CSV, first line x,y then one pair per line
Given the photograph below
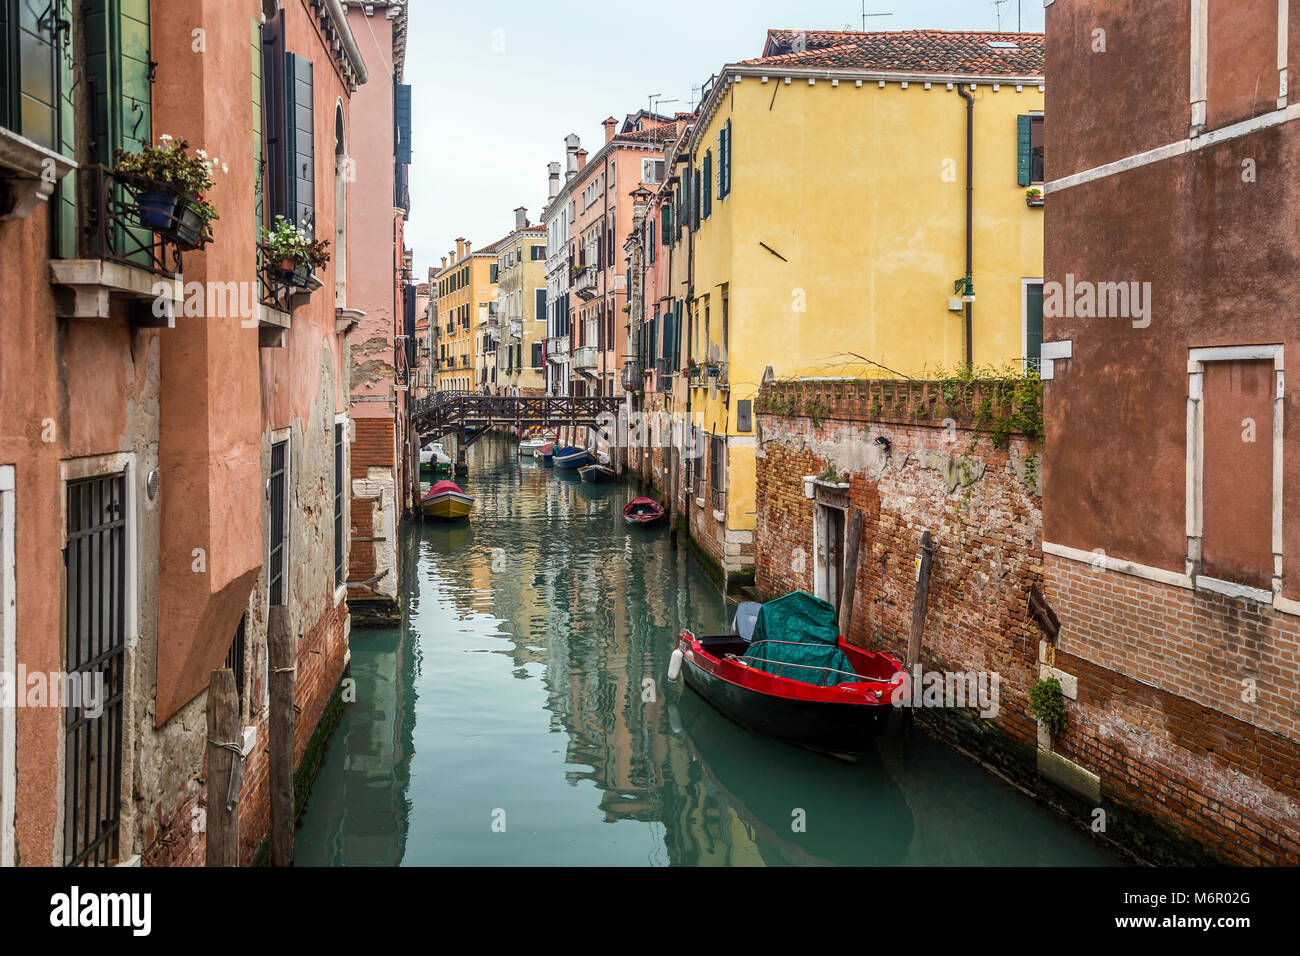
x,y
1171,530
375,301
172,422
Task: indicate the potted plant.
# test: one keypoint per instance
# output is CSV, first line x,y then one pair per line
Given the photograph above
x,y
293,254
171,189
832,477
1034,196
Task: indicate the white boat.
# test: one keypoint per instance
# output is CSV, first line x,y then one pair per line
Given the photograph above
x,y
433,458
529,446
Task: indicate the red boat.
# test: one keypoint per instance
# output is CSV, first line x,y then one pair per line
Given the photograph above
x,y
792,677
643,512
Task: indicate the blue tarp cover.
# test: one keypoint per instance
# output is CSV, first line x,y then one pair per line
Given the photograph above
x,y
809,624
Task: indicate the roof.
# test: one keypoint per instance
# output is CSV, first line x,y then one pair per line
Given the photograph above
x,y
939,52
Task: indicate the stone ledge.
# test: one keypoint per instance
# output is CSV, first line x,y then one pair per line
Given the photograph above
x,y
1070,776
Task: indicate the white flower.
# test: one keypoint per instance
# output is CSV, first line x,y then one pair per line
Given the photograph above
x,y
225,168
165,138
201,153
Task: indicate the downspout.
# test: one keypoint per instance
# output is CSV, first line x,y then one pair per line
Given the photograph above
x,y
340,18
970,201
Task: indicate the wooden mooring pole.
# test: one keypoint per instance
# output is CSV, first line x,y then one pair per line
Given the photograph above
x,y
224,770
921,599
281,658
850,583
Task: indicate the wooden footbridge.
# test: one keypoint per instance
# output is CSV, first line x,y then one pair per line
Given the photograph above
x,y
469,415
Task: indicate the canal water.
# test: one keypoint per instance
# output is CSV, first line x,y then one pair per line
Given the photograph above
x,y
522,716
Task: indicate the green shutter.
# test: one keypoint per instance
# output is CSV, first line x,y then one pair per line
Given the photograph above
x,y
300,130
1024,129
402,123
117,55
706,182
666,224
66,193
728,163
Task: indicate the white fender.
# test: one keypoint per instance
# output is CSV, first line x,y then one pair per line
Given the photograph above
x,y
675,665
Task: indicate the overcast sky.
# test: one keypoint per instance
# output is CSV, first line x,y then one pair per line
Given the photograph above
x,y
497,86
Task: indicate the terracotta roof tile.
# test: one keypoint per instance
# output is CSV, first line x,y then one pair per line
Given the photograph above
x,y
908,51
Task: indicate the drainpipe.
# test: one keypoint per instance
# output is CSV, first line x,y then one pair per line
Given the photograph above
x,y
970,200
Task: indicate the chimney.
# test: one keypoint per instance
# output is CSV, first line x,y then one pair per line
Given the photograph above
x,y
521,217
467,248
571,145
553,180
609,125
582,158
460,248
444,262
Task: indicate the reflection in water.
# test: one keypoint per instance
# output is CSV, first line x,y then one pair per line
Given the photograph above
x,y
520,716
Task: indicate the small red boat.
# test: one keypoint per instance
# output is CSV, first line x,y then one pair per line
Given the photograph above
x,y
792,677
643,512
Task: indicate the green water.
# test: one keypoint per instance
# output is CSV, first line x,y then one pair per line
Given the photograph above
x,y
522,716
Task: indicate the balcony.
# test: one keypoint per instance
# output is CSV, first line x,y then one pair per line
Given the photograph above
x,y
585,286
632,376
122,266
663,375
557,349
586,359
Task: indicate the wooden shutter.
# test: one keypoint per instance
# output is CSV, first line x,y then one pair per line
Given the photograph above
x,y
539,303
724,162
1033,327
300,128
117,55
402,123
1024,134
666,224
66,192
706,183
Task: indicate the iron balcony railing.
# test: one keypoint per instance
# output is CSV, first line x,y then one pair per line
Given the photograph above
x,y
663,375
631,375
114,226
719,499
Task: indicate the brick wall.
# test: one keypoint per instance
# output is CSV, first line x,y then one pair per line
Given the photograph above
x,y
372,447
983,512
1162,717
1189,770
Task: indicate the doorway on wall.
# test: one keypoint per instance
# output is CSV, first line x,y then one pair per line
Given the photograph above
x,y
828,534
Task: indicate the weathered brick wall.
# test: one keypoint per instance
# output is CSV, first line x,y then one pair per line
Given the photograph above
x,y
372,447
983,512
1189,770
1162,716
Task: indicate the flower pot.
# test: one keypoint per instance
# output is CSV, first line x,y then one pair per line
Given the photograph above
x,y
158,211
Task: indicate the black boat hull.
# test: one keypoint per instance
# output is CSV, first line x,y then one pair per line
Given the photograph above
x,y
843,731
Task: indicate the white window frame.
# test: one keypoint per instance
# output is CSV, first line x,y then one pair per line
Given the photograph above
x,y
8,666
1195,507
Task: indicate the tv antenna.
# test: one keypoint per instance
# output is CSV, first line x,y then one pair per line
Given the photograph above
x,y
998,6
865,15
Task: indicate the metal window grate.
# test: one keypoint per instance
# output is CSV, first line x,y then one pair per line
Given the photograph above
x,y
235,659
95,560
339,570
276,558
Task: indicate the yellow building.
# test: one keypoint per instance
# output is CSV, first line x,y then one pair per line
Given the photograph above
x,y
824,205
463,288
520,323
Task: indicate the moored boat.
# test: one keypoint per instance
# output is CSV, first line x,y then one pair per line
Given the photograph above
x,y
545,452
434,460
643,512
530,443
597,474
793,677
570,457
447,501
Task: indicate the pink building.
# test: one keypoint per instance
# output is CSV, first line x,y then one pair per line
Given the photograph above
x,y
600,218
